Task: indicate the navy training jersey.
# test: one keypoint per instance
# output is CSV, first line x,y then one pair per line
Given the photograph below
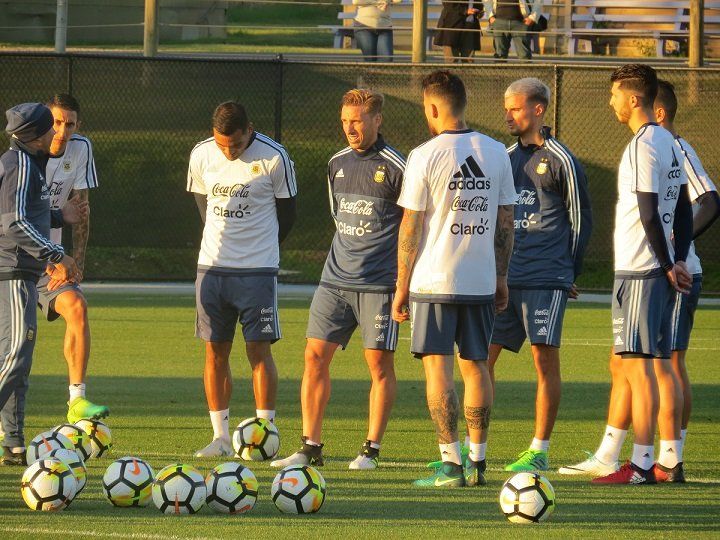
x,y
364,188
553,219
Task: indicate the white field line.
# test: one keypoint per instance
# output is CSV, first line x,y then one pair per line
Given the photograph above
x,y
71,533
598,342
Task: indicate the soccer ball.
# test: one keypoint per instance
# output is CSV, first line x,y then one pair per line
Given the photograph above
x,y
231,489
46,442
128,482
48,484
81,440
76,464
527,498
99,434
256,439
298,489
179,489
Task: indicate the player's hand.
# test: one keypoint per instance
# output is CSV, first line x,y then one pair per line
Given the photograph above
x,y
401,306
75,210
573,292
679,278
501,294
491,20
66,271
473,11
528,21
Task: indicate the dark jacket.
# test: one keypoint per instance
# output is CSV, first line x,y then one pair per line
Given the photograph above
x,y
454,15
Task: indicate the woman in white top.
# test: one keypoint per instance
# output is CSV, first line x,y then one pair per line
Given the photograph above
x,y
373,29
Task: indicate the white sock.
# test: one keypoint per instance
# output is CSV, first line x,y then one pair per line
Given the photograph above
x,y
219,420
683,436
609,449
539,444
312,443
77,390
643,456
477,451
267,414
670,453
451,452
375,445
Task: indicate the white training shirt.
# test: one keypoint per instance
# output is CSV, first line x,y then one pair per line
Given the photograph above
x,y
241,227
458,179
75,169
699,183
651,163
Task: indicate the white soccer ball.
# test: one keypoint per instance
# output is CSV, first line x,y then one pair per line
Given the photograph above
x,y
76,464
179,489
99,434
231,489
298,489
128,482
48,484
256,439
81,440
527,498
46,442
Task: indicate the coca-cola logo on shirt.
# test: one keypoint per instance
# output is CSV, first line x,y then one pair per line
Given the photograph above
x,y
360,207
526,196
472,204
237,190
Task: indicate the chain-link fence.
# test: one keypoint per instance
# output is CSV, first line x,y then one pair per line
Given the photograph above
x,y
145,115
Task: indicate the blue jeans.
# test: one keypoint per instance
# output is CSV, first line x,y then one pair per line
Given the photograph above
x,y
376,44
503,31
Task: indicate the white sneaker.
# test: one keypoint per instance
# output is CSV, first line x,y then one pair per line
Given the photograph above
x,y
217,448
298,458
592,466
363,463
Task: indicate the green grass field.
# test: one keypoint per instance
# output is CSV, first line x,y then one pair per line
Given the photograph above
x,y
147,367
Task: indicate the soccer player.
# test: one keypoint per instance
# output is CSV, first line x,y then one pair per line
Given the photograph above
x,y
553,221
70,172
454,247
245,188
652,205
25,249
358,279
706,209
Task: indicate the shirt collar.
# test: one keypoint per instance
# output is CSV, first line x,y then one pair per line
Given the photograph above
x,y
378,145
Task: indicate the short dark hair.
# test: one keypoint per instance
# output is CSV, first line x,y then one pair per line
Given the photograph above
x,y
639,78
64,101
230,117
447,86
667,99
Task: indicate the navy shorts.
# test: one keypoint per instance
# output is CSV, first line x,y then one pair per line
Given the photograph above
x,y
534,314
224,300
46,298
641,315
335,313
683,315
437,328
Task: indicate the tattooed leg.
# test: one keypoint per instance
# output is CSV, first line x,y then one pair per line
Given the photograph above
x,y
478,398
444,411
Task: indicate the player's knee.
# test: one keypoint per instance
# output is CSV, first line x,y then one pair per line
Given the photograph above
x,y
72,307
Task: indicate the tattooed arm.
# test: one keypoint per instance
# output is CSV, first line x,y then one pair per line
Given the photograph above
x,y
408,246
80,233
504,236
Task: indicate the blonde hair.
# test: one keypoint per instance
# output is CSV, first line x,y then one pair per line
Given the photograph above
x,y
371,101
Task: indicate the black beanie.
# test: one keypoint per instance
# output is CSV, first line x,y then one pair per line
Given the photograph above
x,y
28,121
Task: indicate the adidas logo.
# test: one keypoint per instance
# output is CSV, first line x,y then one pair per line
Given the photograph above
x,y
609,435
637,478
340,174
618,340
670,450
542,331
267,330
470,176
675,162
381,337
646,454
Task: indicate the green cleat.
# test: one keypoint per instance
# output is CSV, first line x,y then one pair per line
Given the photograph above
x,y
530,460
474,473
80,408
447,475
464,453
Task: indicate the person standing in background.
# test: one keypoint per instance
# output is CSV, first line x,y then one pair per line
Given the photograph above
x,y
373,29
459,30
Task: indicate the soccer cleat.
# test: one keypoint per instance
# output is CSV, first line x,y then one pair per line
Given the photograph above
x,y
464,453
447,475
10,458
529,460
592,466
217,448
628,474
367,458
474,472
80,408
674,474
309,454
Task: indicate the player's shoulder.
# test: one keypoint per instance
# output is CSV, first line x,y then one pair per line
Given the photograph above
x,y
77,138
268,145
202,147
560,153
392,157
340,156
